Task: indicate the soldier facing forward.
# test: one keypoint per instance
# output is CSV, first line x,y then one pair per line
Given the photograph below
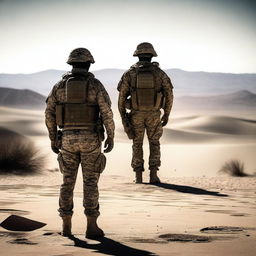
x,y
79,105
145,89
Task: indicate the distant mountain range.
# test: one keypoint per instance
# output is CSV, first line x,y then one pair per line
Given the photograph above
x,y
21,98
193,91
185,83
239,102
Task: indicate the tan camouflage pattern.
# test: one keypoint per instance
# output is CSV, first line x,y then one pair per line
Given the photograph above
x,y
80,146
162,82
85,147
96,95
80,55
151,123
146,121
145,48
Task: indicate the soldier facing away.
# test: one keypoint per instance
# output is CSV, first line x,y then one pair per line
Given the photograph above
x,y
80,107
145,89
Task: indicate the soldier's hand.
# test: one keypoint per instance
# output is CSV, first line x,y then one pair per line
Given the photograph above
x,y
109,144
54,148
164,120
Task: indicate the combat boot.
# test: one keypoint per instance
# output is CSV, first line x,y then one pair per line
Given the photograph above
x,y
138,179
66,226
154,179
93,231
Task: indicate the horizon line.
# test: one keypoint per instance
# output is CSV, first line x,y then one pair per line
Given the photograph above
x,y
97,70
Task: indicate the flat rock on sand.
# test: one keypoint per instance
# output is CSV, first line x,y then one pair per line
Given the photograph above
x,y
18,223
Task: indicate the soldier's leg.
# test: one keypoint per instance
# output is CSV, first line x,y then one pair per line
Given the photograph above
x,y
154,133
68,165
93,162
90,185
137,147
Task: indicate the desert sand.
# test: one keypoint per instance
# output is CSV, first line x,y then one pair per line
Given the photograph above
x,y
195,211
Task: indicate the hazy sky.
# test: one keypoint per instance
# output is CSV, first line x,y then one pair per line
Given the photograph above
x,y
194,35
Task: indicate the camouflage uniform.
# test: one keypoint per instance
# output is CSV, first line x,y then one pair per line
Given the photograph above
x,y
80,145
148,121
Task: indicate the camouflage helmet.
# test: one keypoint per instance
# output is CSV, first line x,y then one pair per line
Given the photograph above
x,y
80,55
145,48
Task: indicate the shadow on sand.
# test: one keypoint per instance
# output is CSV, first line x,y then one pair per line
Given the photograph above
x,y
188,189
110,247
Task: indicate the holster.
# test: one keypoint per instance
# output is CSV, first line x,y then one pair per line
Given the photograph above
x,y
58,139
128,127
100,129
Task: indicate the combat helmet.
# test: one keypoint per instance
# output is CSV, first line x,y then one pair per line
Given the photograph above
x,y
145,48
80,55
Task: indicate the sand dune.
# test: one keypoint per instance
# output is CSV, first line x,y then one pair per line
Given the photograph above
x,y
192,212
189,129
25,122
215,138
202,129
6,134
218,124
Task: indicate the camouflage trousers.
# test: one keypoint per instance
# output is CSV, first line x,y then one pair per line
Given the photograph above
x,y
80,147
150,122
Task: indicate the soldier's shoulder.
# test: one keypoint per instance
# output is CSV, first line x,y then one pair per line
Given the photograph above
x,y
66,75
156,67
99,87
96,82
62,81
160,71
131,70
155,64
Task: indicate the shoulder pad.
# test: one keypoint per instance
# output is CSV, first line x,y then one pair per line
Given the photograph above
x,y
91,75
156,64
66,75
59,84
96,82
103,90
133,66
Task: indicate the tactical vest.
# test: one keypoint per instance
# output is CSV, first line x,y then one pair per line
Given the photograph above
x,y
76,111
144,94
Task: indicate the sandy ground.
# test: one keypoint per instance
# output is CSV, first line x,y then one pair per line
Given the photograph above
x,y
143,219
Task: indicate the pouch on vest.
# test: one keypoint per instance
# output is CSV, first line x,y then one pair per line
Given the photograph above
x,y
76,91
81,114
59,115
77,111
143,98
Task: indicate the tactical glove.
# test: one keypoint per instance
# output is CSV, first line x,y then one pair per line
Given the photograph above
x,y
109,144
164,120
54,148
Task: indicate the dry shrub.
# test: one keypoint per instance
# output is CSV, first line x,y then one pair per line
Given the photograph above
x,y
234,168
18,155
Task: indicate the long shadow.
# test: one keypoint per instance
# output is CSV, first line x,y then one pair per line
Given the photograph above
x,y
110,247
188,189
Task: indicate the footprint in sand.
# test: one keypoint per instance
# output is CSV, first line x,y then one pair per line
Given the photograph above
x,y
14,211
21,241
223,230
185,238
